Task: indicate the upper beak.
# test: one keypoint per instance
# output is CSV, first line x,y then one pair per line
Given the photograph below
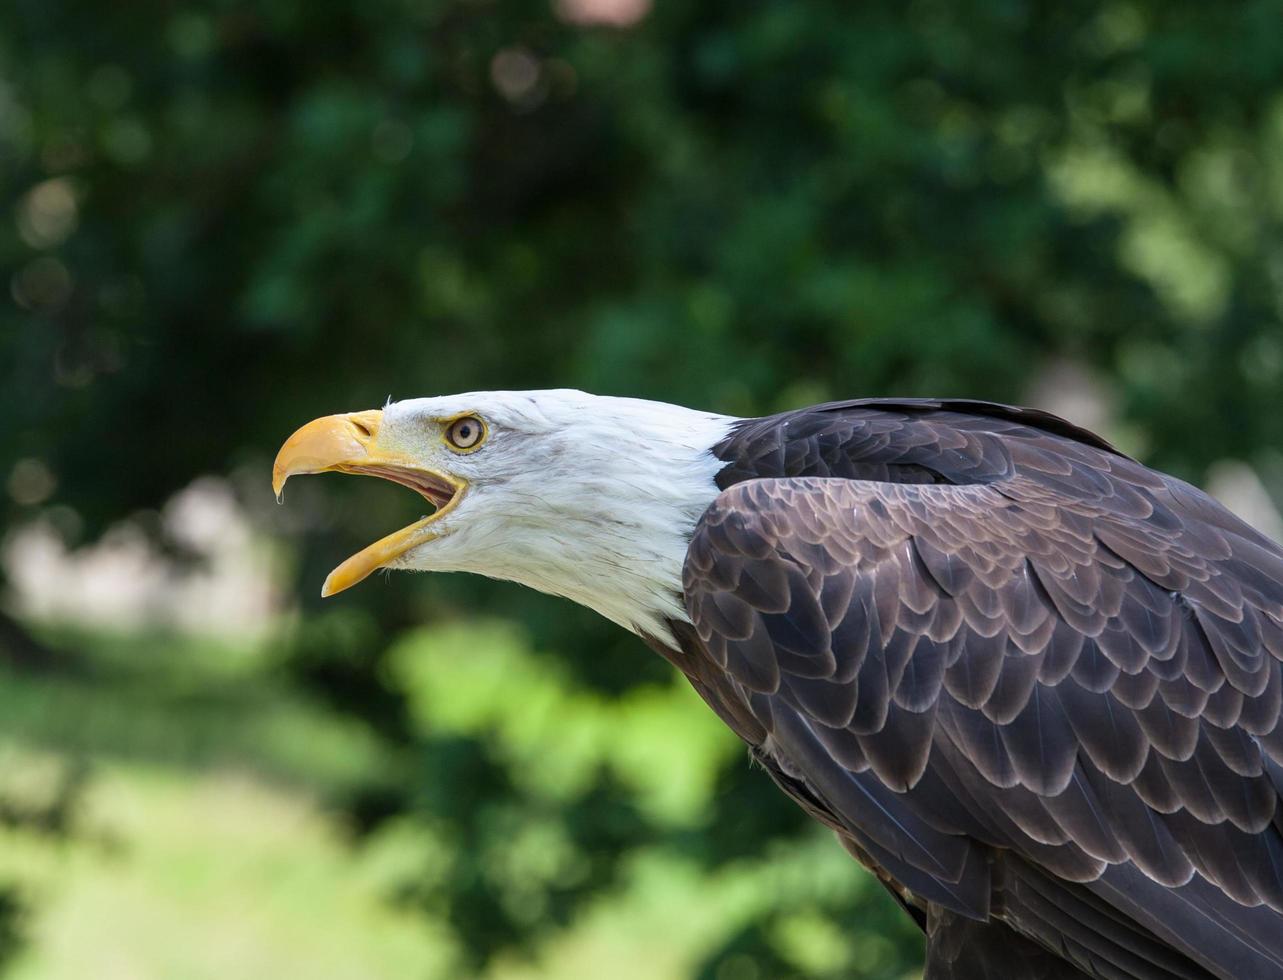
x,y
350,444
329,443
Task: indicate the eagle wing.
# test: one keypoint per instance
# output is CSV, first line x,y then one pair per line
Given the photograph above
x,y
1052,699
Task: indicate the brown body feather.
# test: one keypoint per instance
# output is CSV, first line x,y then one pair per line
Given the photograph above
x,y
1033,684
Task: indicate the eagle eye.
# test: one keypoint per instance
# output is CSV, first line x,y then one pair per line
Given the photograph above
x,y
466,433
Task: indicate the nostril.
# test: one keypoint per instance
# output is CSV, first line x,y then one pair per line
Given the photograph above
x,y
362,428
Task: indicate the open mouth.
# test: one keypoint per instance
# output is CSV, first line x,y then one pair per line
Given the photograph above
x,y
436,490
349,444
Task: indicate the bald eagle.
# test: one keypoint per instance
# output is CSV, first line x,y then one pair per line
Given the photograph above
x,y
1032,685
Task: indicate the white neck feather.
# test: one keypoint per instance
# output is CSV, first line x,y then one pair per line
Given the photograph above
x,y
624,516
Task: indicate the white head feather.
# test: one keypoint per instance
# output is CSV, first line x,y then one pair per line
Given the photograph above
x,y
589,497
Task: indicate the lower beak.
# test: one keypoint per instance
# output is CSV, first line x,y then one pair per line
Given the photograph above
x,y
350,444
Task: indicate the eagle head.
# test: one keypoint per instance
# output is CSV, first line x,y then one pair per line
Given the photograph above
x,y
584,496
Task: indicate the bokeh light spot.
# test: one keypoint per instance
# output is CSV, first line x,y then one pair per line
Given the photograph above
x,y
42,285
127,142
191,36
518,76
604,13
31,482
47,213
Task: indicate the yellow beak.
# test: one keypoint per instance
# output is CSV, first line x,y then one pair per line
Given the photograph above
x,y
350,444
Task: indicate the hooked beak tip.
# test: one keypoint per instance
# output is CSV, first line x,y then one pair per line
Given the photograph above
x,y
326,444
328,588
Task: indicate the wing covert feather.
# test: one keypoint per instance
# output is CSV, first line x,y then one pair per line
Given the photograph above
x,y
1083,673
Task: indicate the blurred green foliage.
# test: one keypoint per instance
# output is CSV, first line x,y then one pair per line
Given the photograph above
x,y
226,218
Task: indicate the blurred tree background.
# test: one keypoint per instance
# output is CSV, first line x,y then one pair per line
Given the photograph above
x,y
223,219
